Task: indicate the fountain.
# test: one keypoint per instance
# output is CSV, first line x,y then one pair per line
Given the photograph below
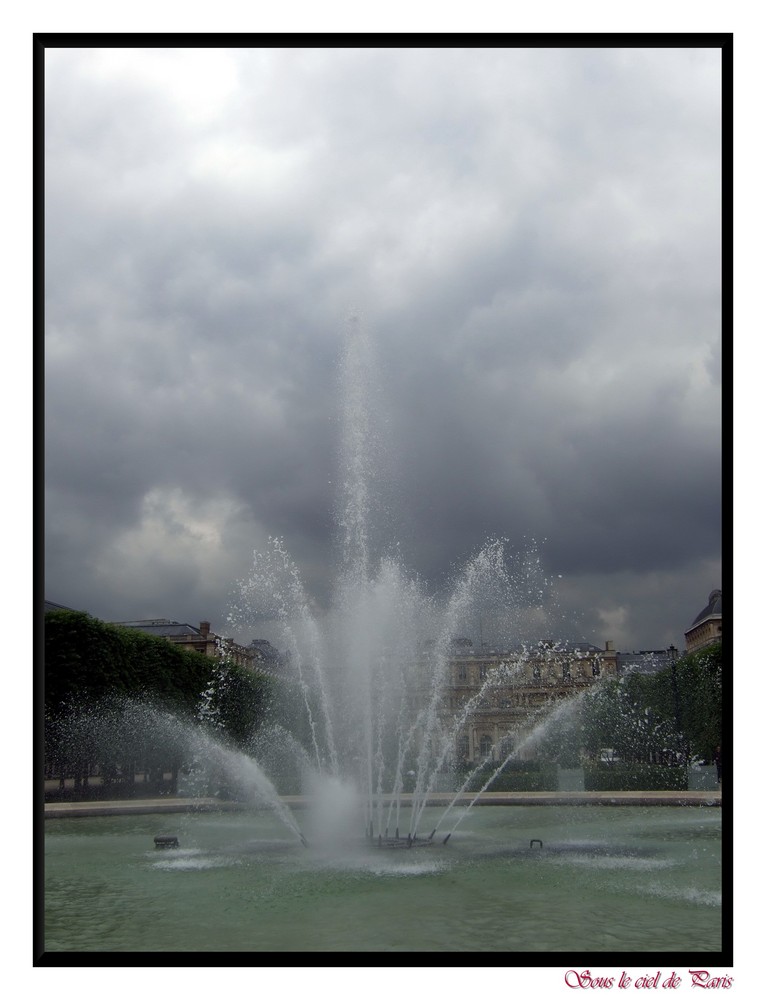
x,y
372,672
373,738
606,879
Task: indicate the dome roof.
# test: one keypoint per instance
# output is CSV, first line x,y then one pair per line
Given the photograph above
x,y
712,609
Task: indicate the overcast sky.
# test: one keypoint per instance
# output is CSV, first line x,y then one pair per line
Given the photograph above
x,y
532,240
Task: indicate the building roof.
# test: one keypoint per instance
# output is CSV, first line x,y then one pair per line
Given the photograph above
x,y
491,651
645,661
52,606
161,626
264,649
711,610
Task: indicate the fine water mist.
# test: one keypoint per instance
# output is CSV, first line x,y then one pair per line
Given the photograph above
x,y
371,672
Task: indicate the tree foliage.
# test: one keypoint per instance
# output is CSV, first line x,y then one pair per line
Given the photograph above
x,y
672,715
236,701
87,659
96,675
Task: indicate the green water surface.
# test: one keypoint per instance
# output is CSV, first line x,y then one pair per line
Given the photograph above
x,y
606,879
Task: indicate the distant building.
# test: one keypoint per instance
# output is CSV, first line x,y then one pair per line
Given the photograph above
x,y
501,690
52,606
265,654
646,661
707,627
198,640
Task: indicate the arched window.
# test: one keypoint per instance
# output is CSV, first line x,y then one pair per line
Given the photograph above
x,y
485,745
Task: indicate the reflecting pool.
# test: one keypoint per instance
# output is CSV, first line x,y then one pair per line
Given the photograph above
x,y
606,878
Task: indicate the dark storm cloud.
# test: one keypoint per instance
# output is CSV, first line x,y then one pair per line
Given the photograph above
x,y
532,236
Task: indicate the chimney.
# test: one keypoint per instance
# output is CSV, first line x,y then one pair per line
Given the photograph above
x,y
610,645
204,628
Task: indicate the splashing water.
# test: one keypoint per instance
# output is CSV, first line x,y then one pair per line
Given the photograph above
x,y
372,672
561,714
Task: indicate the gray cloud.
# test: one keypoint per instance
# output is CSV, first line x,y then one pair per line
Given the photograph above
x,y
532,237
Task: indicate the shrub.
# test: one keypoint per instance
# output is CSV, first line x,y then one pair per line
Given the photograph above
x,y
634,778
97,679
516,776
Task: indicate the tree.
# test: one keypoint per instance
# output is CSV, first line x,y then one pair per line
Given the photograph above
x,y
118,699
87,659
677,711
236,701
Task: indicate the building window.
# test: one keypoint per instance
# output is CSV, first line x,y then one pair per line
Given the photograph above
x,y
596,669
483,671
566,672
536,672
485,746
462,748
461,672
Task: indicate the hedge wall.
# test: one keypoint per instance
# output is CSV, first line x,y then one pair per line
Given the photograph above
x,y
87,659
98,677
516,776
634,778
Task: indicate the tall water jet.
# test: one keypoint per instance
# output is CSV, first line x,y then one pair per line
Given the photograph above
x,y
372,671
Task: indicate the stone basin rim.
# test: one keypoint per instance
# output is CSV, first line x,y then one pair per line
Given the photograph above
x,y
128,807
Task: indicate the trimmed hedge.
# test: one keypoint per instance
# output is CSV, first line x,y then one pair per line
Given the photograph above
x,y
97,676
634,777
516,776
87,659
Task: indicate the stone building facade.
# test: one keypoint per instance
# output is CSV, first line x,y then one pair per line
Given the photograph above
x,y
491,695
197,639
707,627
